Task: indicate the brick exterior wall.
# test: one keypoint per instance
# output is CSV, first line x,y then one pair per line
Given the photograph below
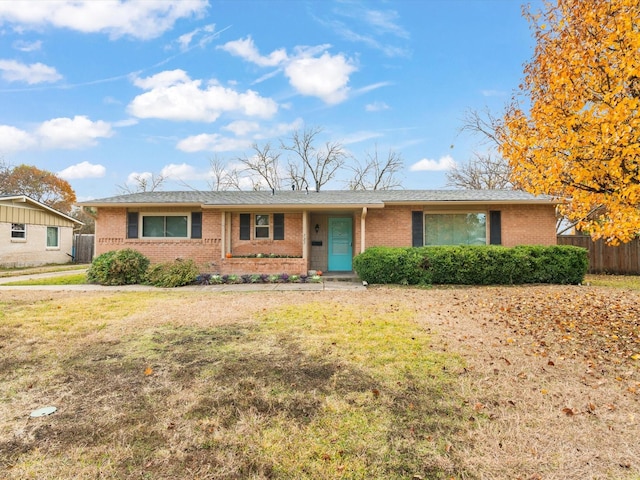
x,y
521,224
291,245
242,266
111,230
390,226
528,225
111,234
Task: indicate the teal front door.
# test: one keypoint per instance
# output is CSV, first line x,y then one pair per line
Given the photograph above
x,y
340,244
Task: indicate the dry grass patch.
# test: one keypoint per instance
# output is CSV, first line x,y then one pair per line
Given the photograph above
x,y
181,385
464,383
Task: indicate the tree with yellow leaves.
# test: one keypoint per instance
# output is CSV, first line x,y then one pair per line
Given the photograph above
x,y
578,137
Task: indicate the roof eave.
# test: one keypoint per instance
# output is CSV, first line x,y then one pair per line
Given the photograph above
x,y
294,206
477,202
27,199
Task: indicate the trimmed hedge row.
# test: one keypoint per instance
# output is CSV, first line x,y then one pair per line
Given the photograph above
x,y
473,265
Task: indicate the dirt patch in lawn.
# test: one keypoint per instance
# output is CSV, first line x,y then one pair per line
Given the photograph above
x,y
547,384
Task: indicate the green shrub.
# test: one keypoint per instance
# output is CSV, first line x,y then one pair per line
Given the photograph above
x,y
472,265
172,274
391,265
118,267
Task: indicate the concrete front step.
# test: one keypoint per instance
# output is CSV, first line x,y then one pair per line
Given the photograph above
x,y
340,277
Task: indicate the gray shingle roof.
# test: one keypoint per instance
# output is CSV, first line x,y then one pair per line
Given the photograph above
x,y
329,197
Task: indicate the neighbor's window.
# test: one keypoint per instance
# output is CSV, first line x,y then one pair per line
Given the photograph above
x,y
53,237
262,226
165,226
18,230
455,229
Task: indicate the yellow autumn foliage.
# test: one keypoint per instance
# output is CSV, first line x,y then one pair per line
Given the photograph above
x,y
574,129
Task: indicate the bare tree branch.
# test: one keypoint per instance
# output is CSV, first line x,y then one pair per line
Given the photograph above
x,y
143,183
483,124
312,165
263,164
222,178
376,173
481,172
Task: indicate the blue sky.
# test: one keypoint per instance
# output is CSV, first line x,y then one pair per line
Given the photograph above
x,y
104,90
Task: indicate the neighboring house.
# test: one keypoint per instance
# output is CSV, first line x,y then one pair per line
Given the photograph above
x,y
32,233
318,230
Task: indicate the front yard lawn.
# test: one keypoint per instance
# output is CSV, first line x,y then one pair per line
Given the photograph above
x,y
388,383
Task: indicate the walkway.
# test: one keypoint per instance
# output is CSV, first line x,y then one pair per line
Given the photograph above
x,y
326,285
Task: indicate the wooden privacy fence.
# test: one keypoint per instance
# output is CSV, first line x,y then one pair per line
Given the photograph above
x,y
622,260
83,248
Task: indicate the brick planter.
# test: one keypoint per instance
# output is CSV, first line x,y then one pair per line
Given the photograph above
x,y
269,266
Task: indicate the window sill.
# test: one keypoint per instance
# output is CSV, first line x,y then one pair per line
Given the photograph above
x,y
18,240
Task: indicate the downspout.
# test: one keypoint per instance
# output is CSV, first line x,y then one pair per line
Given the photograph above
x,y
363,225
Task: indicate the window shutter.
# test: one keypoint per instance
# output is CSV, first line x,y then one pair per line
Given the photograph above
x,y
245,226
417,226
132,224
196,224
495,228
278,226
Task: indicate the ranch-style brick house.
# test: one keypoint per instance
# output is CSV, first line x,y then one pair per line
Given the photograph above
x,y
241,232
33,234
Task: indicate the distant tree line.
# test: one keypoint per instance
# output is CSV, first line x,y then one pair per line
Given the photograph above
x,y
300,162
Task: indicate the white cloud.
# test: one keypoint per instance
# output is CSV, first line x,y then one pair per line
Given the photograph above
x,y
135,177
206,35
173,95
167,78
139,19
361,136
13,71
312,71
212,143
377,29
241,127
246,49
72,133
129,122
376,107
83,170
25,46
428,165
325,77
13,139
279,130
385,21
182,171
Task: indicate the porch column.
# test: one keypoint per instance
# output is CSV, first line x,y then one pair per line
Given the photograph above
x,y
305,234
363,225
223,234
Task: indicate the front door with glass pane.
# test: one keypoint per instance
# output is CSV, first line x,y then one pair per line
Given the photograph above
x,y
340,244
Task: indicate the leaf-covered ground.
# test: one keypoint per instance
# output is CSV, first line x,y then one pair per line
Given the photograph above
x,y
598,326
544,384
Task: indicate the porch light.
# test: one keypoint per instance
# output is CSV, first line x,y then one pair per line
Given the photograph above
x,y
317,228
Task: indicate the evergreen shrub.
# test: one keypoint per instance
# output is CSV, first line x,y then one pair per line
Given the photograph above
x,y
472,265
118,267
173,274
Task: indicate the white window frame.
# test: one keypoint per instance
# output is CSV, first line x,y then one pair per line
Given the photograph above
x,y
262,226
456,212
142,215
57,245
23,231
